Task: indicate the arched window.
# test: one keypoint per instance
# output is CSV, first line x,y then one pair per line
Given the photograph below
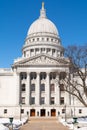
x,y
62,75
42,75
37,39
23,75
51,40
33,75
33,39
52,75
47,39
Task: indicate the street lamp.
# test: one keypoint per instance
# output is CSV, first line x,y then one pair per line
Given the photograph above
x,y
20,110
65,113
28,115
11,120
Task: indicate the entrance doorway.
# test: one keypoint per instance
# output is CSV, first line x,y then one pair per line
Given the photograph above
x,y
42,112
32,112
53,112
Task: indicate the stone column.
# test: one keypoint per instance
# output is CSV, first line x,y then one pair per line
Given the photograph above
x,y
57,91
56,53
29,53
28,89
18,88
37,99
47,89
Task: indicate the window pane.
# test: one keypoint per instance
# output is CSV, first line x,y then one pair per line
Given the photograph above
x,y
23,100
42,100
52,87
22,110
62,75
42,87
61,87
80,111
23,87
33,100
62,100
52,100
32,87
5,111
63,110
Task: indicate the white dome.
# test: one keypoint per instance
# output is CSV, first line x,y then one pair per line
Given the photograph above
x,y
42,25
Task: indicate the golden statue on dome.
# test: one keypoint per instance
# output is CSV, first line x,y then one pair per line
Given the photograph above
x,y
43,5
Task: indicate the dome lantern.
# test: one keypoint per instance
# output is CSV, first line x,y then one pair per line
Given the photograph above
x,y
42,11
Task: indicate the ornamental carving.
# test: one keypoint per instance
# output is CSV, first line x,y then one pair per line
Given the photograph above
x,y
43,60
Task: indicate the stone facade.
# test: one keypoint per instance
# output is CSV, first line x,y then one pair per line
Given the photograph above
x,y
31,85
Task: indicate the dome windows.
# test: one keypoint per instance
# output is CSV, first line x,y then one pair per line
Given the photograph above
x,y
42,39
32,50
37,39
33,39
47,39
51,40
48,49
43,35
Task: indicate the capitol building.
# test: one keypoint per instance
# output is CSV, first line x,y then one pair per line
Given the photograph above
x,y
31,84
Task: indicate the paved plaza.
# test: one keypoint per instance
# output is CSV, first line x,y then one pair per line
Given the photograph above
x,y
43,124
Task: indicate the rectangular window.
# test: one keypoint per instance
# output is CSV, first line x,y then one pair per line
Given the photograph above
x,y
33,87
80,111
42,100
63,110
23,100
52,100
32,100
32,50
22,111
5,111
53,50
23,88
37,49
61,87
61,100
48,49
42,87
52,88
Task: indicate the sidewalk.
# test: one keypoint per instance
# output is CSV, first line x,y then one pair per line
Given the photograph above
x,y
43,124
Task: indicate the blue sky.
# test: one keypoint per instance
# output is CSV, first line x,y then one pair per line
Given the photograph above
x,y
69,16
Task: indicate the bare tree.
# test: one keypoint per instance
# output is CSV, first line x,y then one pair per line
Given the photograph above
x,y
75,81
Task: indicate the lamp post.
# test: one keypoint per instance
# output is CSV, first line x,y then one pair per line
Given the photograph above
x,y
11,120
20,110
65,113
28,115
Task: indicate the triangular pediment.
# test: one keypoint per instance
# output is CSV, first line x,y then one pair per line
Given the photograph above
x,y
42,60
